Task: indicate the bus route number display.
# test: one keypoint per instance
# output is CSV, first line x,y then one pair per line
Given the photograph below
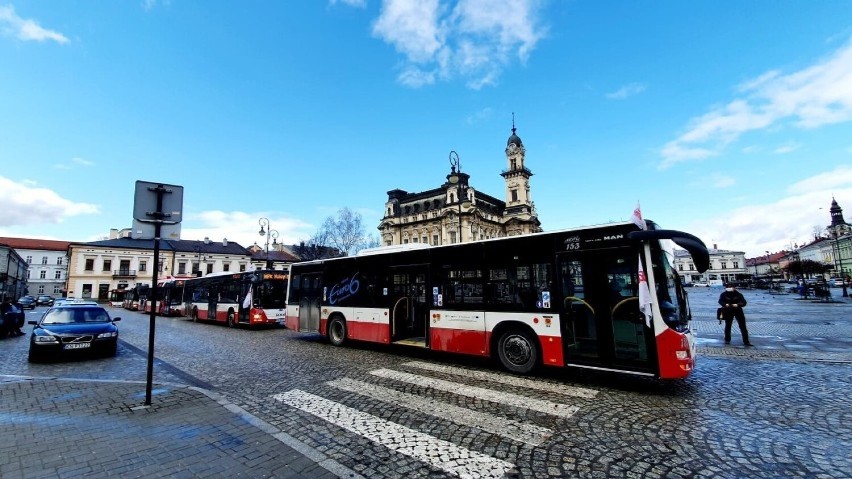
x,y
572,243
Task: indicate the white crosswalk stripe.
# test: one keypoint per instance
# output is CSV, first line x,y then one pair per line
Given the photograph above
x,y
509,428
438,453
509,399
506,379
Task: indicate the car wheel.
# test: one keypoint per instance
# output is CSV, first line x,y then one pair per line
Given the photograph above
x,y
34,358
518,351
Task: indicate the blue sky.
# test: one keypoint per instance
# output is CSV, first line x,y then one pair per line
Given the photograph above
x,y
728,119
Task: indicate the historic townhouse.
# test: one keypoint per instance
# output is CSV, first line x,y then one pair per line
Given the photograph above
x,y
724,266
13,273
47,264
456,212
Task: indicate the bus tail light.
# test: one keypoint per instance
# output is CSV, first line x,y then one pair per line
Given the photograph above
x,y
682,354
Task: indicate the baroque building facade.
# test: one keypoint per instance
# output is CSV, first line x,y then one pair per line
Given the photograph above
x,y
456,212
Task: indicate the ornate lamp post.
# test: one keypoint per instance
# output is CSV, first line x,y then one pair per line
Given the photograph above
x,y
265,230
456,179
201,255
838,260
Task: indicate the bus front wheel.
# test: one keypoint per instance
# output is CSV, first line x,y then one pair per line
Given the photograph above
x,y
518,351
337,331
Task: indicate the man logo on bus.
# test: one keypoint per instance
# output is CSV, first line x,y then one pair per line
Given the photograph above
x,y
344,289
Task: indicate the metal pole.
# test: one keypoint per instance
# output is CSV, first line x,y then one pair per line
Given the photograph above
x,y
840,263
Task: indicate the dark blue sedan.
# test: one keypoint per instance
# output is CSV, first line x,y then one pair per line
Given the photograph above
x,y
72,330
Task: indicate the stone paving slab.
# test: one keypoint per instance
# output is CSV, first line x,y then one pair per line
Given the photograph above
x,y
76,428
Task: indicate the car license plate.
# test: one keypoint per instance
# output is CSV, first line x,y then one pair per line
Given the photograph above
x,y
77,346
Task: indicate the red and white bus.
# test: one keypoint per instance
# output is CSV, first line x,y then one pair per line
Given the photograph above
x,y
170,297
565,299
250,298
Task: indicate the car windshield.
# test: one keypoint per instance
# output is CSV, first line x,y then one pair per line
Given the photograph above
x,y
75,316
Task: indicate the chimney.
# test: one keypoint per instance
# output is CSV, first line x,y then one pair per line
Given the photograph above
x,y
714,246
206,240
225,242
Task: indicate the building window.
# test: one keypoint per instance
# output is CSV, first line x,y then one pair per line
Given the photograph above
x,y
452,237
691,267
58,275
42,274
425,239
680,267
226,267
28,274
736,264
514,195
435,240
29,259
405,241
44,260
242,267
41,289
57,289
107,265
724,265
59,261
209,268
90,265
143,266
182,267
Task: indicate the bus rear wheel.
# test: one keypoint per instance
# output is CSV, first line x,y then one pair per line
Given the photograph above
x,y
337,331
517,351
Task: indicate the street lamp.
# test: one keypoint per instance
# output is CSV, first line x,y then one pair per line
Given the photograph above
x,y
265,230
455,178
838,260
202,256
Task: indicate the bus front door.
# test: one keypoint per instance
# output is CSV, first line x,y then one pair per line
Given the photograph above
x,y
309,303
410,305
599,312
212,304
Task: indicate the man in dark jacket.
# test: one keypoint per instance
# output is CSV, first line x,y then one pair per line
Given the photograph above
x,y
732,303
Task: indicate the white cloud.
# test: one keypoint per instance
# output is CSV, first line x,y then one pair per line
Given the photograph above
x,y
788,148
74,162
25,204
243,227
789,220
475,40
477,116
27,30
351,3
815,96
722,181
626,91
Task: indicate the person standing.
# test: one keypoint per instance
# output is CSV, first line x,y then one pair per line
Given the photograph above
x,y
732,303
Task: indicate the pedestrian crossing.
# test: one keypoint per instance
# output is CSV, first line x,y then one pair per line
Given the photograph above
x,y
440,454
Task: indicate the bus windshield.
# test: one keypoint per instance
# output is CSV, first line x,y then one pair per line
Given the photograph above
x,y
670,292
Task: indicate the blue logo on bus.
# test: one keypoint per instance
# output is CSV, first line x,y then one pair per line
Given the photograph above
x,y
344,289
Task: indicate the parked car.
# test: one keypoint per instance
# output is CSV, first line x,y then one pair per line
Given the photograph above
x,y
27,302
73,329
44,300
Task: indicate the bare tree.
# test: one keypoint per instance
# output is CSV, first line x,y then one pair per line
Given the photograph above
x,y
338,236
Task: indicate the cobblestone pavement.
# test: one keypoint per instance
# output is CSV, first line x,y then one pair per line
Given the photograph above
x,y
781,409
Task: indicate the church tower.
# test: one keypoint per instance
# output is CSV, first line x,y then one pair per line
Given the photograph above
x,y
838,224
520,215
